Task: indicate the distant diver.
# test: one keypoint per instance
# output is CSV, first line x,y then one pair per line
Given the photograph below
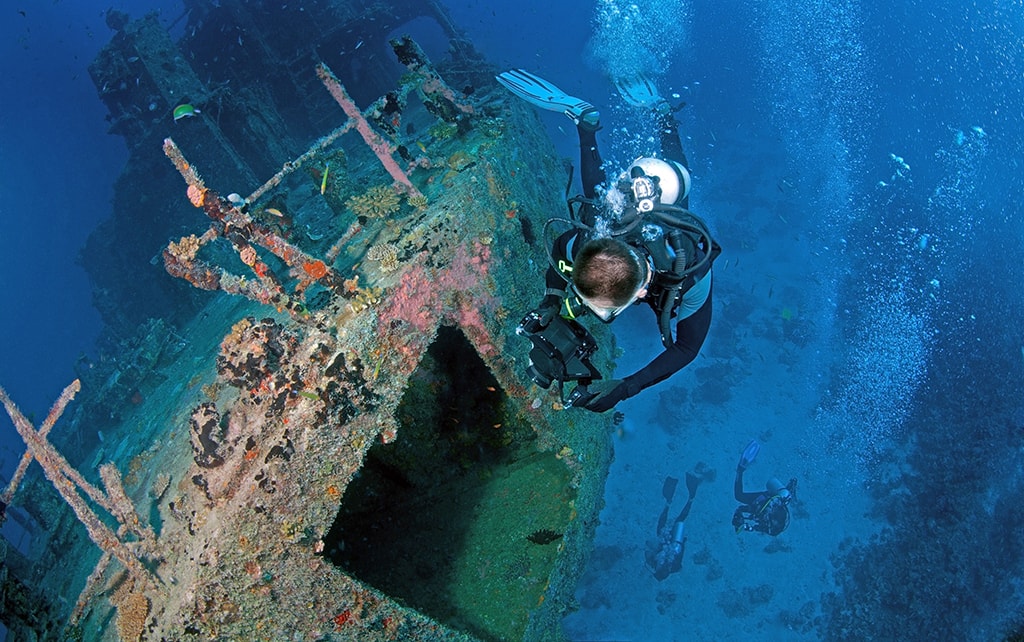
x,y
766,511
631,241
665,554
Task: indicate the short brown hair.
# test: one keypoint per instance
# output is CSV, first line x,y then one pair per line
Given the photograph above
x,y
607,269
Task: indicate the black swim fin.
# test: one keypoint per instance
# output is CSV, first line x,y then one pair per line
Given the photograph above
x,y
668,491
692,482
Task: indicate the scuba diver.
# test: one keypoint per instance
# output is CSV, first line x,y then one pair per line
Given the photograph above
x,y
766,511
665,555
630,241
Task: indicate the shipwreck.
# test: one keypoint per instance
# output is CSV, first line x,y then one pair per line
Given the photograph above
x,y
317,424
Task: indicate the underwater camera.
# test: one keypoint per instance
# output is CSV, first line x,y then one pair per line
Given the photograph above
x,y
561,350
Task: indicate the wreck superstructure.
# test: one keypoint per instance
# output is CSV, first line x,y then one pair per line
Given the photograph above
x,y
367,458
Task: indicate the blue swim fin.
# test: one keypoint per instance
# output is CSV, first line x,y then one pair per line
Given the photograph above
x,y
749,453
540,93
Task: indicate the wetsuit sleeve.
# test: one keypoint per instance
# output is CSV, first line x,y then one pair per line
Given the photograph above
x,y
690,335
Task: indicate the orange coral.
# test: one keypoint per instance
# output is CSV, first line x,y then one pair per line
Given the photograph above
x,y
316,269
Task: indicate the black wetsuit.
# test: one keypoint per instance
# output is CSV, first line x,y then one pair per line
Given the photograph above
x,y
692,330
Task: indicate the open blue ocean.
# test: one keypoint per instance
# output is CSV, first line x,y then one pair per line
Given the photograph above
x,y
860,164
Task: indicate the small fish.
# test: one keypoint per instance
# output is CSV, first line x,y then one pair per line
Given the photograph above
x,y
274,211
323,183
133,59
423,148
185,110
358,45
544,536
240,41
309,395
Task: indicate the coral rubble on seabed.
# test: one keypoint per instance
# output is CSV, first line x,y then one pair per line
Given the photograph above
x,y
301,399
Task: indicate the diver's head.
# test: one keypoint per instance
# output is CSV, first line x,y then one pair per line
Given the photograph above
x,y
668,180
608,276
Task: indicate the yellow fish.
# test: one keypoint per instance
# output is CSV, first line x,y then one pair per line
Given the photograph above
x,y
323,183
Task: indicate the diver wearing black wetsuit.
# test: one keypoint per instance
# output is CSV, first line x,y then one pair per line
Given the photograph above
x,y
693,312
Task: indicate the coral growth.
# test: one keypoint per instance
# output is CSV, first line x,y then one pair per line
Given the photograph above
x,y
458,292
207,436
248,255
185,249
376,202
386,254
443,130
131,617
250,355
460,161
364,298
315,269
419,202
160,485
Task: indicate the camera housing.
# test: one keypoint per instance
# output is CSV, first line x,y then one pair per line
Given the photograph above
x,y
561,350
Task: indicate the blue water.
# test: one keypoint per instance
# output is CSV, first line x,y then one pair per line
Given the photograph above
x,y
861,162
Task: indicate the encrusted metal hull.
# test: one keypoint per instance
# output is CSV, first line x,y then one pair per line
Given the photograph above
x,y
370,460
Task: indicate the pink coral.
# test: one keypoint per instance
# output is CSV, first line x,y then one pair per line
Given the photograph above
x,y
458,294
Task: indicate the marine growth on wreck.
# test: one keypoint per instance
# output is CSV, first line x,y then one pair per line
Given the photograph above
x,y
359,454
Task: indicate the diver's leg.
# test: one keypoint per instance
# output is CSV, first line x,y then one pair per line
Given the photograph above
x,y
662,519
671,142
737,486
591,166
737,489
668,128
683,514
